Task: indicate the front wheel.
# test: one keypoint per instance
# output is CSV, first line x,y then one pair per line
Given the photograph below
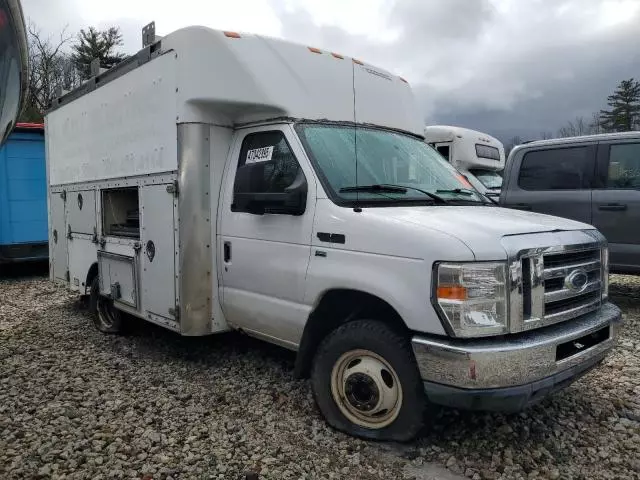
x,y
106,317
366,382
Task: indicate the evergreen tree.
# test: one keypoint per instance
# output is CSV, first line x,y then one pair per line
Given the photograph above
x,y
96,44
624,114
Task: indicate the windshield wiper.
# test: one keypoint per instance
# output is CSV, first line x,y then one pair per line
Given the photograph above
x,y
461,191
469,193
390,188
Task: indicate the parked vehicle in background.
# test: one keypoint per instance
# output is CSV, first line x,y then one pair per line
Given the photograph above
x,y
219,181
14,66
23,195
593,179
480,157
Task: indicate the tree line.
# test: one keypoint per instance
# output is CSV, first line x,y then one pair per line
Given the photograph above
x,y
63,62
622,115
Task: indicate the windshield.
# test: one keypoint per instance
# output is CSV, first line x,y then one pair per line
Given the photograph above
x,y
383,158
489,178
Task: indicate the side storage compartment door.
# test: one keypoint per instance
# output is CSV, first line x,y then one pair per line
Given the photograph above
x,y
58,237
81,211
158,250
118,278
80,208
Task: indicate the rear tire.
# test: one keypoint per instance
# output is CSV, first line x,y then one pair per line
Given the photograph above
x,y
366,382
106,317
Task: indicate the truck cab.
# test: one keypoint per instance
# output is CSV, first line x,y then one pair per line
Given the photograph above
x,y
479,156
226,181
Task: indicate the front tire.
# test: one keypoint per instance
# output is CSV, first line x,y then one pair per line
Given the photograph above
x,y
106,317
366,382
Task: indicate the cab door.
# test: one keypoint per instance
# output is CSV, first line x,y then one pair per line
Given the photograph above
x,y
616,202
266,255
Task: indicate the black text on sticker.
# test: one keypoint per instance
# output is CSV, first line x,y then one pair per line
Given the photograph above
x,y
263,154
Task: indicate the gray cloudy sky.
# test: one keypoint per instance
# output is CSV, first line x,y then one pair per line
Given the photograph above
x,y
506,67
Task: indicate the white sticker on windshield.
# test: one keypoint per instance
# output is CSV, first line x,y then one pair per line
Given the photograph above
x,y
256,155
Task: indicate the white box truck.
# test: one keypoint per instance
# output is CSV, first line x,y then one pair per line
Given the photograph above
x,y
479,156
220,181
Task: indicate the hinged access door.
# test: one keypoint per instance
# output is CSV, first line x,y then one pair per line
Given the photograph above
x,y
118,278
81,211
58,237
157,255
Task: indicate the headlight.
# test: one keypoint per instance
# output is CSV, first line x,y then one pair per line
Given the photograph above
x,y
605,273
472,298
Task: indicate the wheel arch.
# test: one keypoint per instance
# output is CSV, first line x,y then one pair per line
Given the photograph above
x,y
91,275
337,307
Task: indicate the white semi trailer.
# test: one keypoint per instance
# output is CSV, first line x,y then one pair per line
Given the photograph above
x,y
219,181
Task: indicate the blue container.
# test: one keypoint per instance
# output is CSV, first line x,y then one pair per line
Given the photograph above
x,y
23,196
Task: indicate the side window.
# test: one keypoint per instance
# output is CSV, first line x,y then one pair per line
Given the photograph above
x,y
269,163
444,151
556,169
624,166
269,179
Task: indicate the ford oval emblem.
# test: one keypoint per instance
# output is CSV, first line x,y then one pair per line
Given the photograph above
x,y
577,280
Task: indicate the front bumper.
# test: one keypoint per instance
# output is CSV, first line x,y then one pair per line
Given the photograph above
x,y
511,372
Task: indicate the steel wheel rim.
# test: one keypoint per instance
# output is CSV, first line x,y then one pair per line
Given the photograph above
x,y
366,389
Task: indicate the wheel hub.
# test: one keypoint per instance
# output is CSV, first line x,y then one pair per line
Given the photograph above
x,y
362,392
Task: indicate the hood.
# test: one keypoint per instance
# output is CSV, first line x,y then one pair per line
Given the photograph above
x,y
480,228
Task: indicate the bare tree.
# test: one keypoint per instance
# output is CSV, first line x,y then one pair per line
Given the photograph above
x,y
50,68
513,142
575,128
546,135
596,123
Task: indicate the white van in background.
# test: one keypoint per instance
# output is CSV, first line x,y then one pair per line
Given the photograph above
x,y
477,155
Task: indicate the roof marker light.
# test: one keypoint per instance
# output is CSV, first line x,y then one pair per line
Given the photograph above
x,y
232,34
337,55
357,62
403,80
314,50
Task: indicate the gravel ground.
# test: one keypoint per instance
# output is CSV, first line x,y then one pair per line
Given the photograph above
x,y
78,404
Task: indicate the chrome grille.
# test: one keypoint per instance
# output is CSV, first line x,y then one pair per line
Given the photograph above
x,y
554,277
561,302
549,296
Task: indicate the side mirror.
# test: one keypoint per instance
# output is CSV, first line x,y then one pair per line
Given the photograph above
x,y
14,72
251,196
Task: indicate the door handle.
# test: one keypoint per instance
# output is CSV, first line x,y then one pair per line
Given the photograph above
x,y
613,207
522,206
227,252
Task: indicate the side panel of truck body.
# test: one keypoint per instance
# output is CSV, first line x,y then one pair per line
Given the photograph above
x,y
23,200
